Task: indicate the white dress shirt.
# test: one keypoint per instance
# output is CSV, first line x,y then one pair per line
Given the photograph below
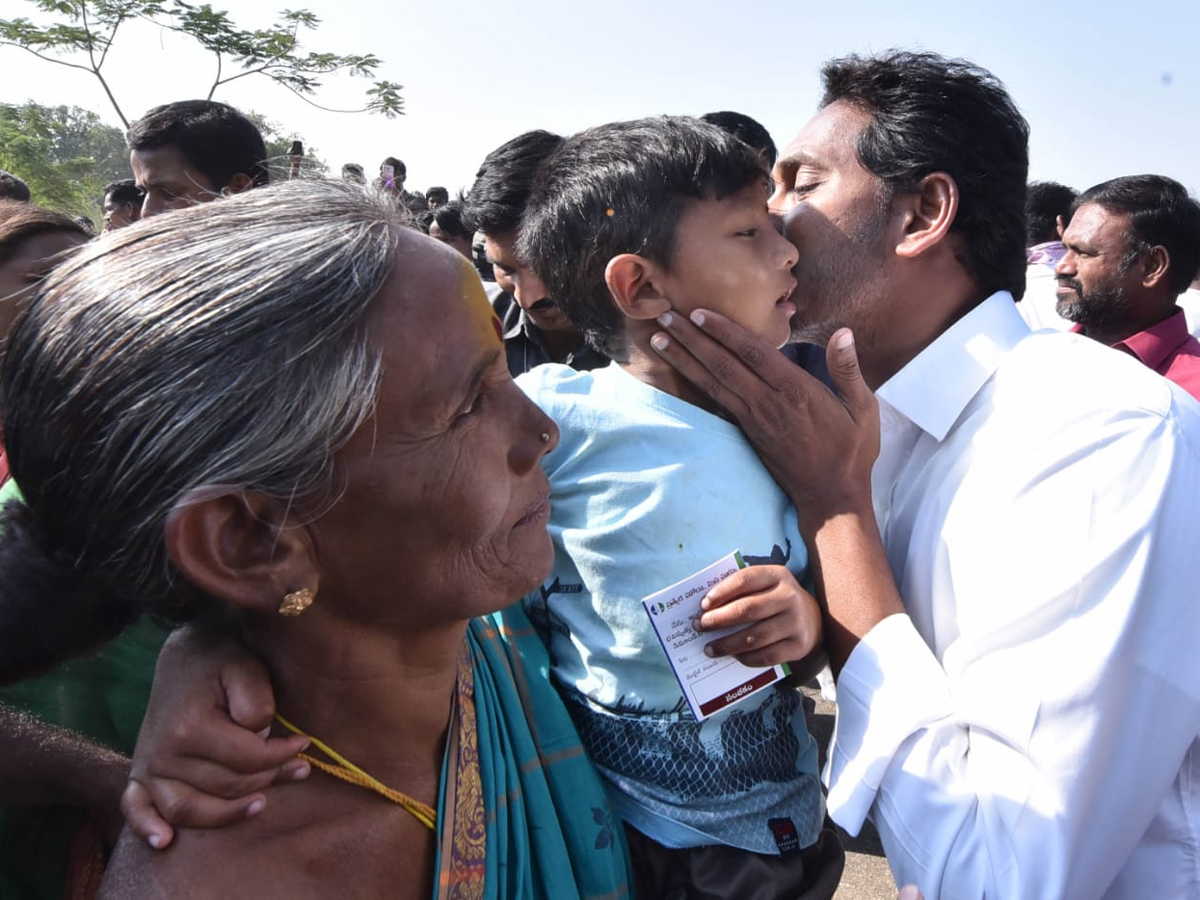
x,y
1030,728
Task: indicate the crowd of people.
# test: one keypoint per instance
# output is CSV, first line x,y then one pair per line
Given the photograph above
x,y
329,507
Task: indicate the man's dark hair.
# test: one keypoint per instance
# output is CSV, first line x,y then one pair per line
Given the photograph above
x,y
1045,201
1161,213
398,167
215,139
621,188
933,114
449,218
13,188
437,191
747,130
497,199
124,191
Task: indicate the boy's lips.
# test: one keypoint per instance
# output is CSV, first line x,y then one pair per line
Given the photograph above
x,y
785,302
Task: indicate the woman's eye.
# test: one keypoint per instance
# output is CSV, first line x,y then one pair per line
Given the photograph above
x,y
473,407
801,189
749,232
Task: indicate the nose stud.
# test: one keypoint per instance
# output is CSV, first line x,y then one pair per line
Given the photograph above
x,y
545,437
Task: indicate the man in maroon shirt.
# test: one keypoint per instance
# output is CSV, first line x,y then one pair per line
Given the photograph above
x,y
1133,246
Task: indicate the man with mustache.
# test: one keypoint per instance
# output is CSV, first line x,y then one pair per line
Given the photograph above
x,y
534,329
1132,246
1002,533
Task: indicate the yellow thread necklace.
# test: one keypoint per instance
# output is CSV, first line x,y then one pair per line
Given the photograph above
x,y
345,770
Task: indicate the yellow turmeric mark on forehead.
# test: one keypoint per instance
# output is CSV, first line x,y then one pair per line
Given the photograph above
x,y
479,310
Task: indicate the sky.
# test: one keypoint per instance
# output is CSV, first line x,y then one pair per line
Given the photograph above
x,y
1109,88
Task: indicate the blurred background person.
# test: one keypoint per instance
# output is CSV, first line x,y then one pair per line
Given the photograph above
x,y
122,204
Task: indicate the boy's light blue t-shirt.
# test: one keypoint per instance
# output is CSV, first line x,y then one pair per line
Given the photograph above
x,y
647,489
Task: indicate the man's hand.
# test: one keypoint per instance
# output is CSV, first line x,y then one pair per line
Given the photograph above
x,y
819,446
203,752
783,621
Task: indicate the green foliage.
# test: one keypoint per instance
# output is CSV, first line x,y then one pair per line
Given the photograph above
x,y
278,143
65,154
81,32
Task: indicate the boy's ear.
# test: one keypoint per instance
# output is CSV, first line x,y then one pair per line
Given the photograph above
x,y
926,214
238,183
632,281
237,547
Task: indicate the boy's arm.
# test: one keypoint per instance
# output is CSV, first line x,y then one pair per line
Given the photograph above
x,y
203,753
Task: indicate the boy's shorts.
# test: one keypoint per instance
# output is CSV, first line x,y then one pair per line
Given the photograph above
x,y
718,872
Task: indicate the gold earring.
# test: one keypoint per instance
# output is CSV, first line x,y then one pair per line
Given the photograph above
x,y
296,602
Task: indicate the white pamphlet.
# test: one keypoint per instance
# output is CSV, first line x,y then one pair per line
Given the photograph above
x,y
710,684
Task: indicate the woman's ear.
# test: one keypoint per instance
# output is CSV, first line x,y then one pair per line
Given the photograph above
x,y
239,548
632,281
928,214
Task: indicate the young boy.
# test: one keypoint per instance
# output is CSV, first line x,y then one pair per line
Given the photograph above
x,y
649,485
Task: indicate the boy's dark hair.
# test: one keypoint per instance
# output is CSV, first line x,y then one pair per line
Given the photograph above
x,y
437,191
933,114
123,191
497,199
621,188
1161,213
215,139
13,188
747,130
449,218
1044,203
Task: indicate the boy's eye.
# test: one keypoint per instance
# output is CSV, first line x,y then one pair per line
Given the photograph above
x,y
747,232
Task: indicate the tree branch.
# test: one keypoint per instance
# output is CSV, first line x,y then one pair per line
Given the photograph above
x,y
311,102
217,81
112,36
57,62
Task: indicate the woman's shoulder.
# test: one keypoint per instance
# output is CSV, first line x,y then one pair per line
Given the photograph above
x,y
355,850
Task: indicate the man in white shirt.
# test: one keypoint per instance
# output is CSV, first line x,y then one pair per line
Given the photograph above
x,y
1047,209
1010,593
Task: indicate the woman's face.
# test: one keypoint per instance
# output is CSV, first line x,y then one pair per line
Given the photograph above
x,y
444,514
31,261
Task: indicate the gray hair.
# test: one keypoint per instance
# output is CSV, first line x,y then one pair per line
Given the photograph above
x,y
213,350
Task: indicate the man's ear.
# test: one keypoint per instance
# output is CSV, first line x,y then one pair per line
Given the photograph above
x,y
631,280
927,214
238,183
237,547
1154,266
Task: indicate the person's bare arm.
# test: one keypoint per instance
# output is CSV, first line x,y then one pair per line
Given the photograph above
x,y
48,765
819,446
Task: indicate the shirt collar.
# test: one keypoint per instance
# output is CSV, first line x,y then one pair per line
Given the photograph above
x,y
1157,342
933,390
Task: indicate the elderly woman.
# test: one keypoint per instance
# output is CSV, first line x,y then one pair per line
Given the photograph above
x,y
289,416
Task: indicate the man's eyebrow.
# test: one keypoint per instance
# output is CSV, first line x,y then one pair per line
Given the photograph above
x,y
796,159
